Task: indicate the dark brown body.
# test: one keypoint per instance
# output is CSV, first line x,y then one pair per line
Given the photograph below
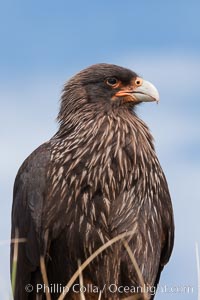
x,y
81,189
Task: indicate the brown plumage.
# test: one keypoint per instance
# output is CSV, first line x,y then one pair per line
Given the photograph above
x,y
96,178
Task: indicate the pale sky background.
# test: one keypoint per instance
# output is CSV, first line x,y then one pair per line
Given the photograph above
x,y
43,43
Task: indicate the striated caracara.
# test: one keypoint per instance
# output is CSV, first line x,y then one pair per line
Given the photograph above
x,y
97,178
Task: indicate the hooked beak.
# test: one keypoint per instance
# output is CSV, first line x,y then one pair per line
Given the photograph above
x,y
141,91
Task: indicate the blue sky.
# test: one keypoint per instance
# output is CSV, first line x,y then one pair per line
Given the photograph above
x,y
43,43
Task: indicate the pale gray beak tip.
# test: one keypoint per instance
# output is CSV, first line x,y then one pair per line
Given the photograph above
x,y
147,92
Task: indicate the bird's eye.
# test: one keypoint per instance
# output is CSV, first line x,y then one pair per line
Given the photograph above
x,y
112,81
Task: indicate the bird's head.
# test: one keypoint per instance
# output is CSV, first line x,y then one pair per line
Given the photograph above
x,y
102,87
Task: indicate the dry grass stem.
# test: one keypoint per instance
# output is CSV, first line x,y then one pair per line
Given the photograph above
x,y
92,257
82,296
137,269
14,262
99,298
44,277
198,268
12,241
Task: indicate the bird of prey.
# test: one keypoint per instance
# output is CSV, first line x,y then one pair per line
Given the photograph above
x,y
98,177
